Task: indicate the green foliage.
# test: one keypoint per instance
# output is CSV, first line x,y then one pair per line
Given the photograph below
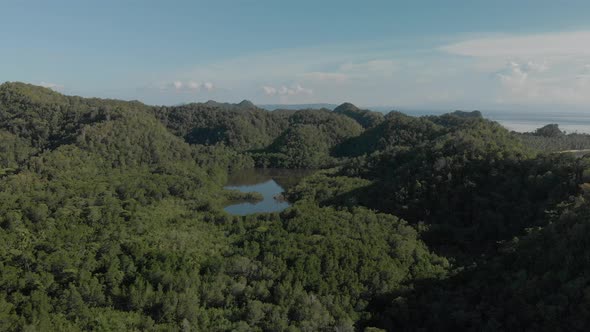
x,y
317,268
14,150
48,119
110,222
550,130
308,140
241,126
551,139
537,282
365,118
300,146
296,139
111,219
397,130
474,186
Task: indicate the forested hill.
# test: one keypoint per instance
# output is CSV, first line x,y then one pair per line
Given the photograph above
x,y
111,219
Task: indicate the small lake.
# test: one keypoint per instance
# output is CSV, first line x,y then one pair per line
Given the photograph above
x,y
270,182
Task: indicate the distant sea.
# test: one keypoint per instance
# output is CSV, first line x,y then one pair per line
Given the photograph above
x,y
526,122
570,122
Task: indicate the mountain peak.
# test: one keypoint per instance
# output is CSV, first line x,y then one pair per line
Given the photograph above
x,y
467,114
212,102
246,104
346,107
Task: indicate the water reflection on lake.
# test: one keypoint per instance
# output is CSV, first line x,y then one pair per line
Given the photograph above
x,y
270,182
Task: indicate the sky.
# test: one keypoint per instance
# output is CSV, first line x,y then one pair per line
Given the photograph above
x,y
488,55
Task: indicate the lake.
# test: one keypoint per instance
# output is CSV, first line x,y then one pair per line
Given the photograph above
x,y
270,182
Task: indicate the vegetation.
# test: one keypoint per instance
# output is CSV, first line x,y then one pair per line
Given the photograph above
x,y
551,139
365,118
308,140
111,219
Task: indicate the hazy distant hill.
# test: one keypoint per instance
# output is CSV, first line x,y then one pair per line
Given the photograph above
x,y
272,107
383,109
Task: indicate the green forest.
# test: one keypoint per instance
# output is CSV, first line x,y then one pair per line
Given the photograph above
x,y
111,219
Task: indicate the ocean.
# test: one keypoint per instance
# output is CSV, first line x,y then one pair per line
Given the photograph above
x,y
570,122
526,122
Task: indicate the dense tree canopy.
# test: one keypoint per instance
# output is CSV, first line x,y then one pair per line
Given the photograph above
x,y
552,139
111,219
365,118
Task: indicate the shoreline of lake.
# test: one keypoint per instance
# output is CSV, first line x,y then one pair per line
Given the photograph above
x,y
270,183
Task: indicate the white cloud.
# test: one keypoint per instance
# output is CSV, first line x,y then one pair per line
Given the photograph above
x,y
575,43
298,89
355,70
530,84
487,72
269,90
209,86
585,72
52,86
194,85
190,86
325,76
515,77
177,85
382,66
531,66
543,69
293,90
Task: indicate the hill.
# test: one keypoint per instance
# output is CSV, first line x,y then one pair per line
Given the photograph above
x,y
111,219
296,107
365,118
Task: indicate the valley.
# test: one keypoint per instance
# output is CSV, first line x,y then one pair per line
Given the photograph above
x,y
117,215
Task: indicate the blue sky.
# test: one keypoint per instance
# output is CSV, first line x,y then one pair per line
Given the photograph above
x,y
522,55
